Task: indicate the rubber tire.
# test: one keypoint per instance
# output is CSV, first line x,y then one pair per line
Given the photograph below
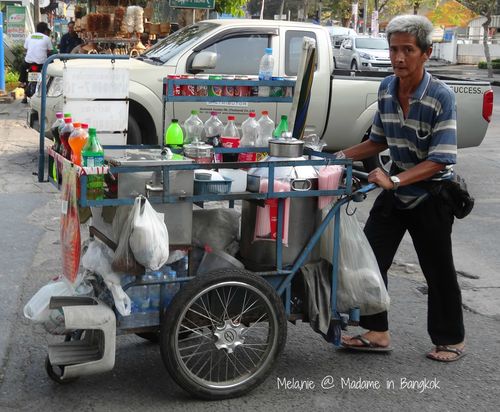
x,y
134,134
171,317
354,65
375,161
153,337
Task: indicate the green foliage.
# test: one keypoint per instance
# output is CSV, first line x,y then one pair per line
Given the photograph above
x,y
495,64
11,76
18,52
234,7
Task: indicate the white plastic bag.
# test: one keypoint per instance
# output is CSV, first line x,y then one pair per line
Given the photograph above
x,y
360,282
97,259
149,236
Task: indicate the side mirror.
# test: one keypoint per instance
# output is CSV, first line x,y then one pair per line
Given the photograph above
x,y
204,60
348,46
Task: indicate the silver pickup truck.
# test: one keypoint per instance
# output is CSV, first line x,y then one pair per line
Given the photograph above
x,y
342,105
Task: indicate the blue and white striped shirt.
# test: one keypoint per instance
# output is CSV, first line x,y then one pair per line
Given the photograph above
x,y
428,133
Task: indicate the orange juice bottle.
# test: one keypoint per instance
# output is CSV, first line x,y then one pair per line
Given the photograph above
x,y
77,140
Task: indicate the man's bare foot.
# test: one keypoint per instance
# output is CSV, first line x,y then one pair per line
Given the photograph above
x,y
380,339
447,353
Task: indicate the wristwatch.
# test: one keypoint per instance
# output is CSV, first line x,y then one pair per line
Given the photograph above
x,y
395,182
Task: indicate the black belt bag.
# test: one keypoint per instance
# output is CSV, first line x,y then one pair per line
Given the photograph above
x,y
453,192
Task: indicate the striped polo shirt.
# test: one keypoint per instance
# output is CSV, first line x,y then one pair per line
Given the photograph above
x,y
428,133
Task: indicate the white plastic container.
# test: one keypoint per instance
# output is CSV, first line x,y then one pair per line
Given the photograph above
x,y
239,178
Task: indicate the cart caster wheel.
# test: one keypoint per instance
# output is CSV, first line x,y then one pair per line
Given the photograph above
x,y
55,376
153,337
223,333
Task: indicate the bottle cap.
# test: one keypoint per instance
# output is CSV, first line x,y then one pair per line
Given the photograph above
x,y
231,118
68,120
269,50
175,120
213,113
59,115
251,114
284,117
76,124
67,114
194,111
92,131
85,126
265,113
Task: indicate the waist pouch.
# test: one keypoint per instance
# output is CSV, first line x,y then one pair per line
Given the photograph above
x,y
453,192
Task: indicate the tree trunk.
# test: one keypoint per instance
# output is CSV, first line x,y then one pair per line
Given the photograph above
x,y
486,27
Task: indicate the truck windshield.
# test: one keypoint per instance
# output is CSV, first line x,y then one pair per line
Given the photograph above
x,y
177,42
372,43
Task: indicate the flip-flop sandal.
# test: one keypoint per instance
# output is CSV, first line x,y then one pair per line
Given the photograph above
x,y
444,348
367,345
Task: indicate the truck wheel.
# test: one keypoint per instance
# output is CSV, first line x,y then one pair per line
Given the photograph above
x,y
354,65
222,334
134,134
382,160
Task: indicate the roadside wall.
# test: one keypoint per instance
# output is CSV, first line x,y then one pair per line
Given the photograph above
x,y
463,53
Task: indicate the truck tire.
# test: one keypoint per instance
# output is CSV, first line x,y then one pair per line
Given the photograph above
x,y
134,134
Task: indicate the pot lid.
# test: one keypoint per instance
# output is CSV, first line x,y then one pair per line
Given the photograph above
x,y
292,141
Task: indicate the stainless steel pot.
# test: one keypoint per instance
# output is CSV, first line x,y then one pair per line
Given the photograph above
x,y
286,147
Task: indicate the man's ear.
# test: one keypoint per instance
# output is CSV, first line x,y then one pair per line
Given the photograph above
x,y
428,53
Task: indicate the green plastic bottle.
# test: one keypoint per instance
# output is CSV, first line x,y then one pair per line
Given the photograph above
x,y
282,127
174,137
92,156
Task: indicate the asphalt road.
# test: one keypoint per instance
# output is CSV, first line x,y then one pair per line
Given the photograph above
x,y
29,256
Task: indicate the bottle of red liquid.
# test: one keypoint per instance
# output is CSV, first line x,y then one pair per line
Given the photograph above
x,y
230,139
64,134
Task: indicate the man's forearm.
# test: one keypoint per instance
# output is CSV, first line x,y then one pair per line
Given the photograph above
x,y
364,150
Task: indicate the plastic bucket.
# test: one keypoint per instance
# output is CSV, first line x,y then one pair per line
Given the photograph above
x,y
218,259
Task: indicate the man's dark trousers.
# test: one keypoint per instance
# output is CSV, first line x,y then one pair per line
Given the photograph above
x,y
429,224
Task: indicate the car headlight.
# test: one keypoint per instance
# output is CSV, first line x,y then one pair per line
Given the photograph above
x,y
55,87
366,56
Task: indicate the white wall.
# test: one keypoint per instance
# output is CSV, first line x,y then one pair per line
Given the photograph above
x,y
463,53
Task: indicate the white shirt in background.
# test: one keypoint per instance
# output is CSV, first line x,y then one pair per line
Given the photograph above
x,y
37,45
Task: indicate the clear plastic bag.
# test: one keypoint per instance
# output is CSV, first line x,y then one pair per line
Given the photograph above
x,y
360,282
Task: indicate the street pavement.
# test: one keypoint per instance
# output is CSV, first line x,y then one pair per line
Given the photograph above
x,y
463,71
30,256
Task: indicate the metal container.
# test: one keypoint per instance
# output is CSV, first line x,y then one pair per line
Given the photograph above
x,y
304,218
178,216
286,147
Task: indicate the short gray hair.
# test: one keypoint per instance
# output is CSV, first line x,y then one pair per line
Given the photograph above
x,y
415,25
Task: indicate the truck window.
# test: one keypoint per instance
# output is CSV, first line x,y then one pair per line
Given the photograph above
x,y
239,54
293,49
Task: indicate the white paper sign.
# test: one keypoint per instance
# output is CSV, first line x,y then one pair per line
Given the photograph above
x,y
95,82
104,116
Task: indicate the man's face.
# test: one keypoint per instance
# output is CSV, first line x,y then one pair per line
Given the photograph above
x,y
406,57
71,28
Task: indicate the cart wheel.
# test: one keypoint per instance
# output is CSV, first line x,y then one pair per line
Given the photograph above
x,y
222,334
56,375
153,337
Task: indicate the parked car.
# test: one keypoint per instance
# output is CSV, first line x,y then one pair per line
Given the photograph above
x,y
341,109
363,53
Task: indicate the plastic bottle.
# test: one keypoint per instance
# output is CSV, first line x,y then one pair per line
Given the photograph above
x,y
174,137
93,156
64,134
266,129
170,288
139,295
282,127
193,127
231,139
76,141
212,130
154,290
249,133
55,131
266,71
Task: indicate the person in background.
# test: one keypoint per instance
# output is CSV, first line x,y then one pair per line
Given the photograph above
x,y
38,47
416,120
70,40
